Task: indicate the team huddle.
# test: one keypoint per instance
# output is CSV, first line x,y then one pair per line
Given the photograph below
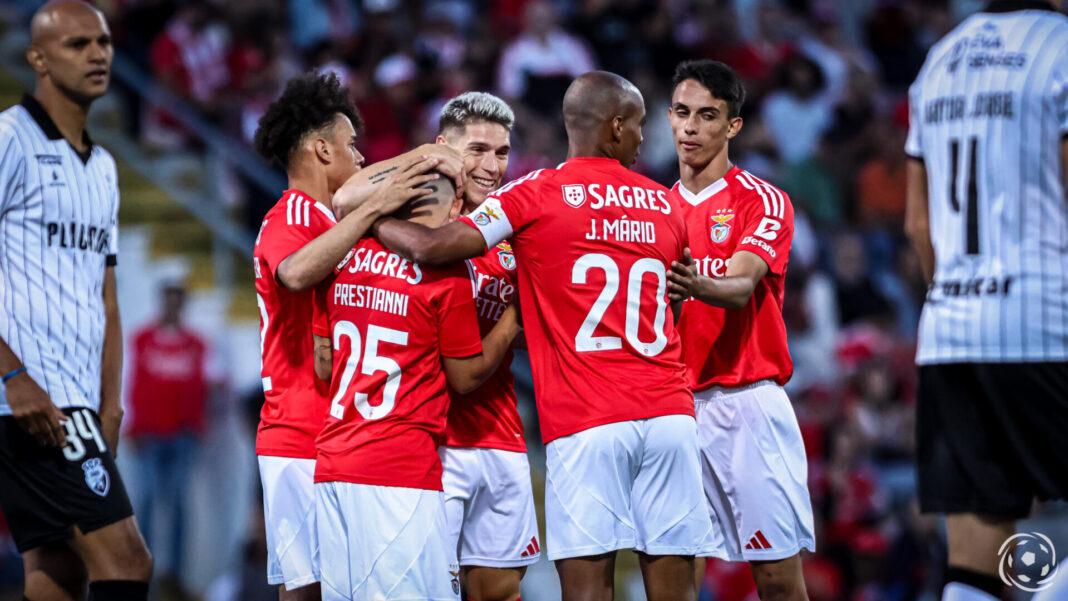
x,y
390,448
391,451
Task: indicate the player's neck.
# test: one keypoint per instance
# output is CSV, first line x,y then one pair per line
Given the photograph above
x,y
698,177
68,115
313,186
587,150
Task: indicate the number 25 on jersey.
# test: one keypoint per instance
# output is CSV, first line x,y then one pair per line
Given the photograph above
x,y
371,363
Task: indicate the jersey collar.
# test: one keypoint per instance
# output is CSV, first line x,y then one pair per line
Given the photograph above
x,y
48,126
710,191
1005,6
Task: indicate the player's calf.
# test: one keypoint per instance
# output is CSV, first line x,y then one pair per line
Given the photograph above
x,y
54,572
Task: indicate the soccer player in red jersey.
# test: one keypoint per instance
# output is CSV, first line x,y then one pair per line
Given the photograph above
x,y
311,130
593,242
734,339
399,332
489,500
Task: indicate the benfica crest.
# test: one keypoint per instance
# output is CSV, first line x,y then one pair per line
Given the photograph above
x,y
507,259
721,229
574,195
96,476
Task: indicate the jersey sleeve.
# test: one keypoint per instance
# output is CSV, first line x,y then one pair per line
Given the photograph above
x,y
458,333
12,170
278,240
506,211
913,147
768,226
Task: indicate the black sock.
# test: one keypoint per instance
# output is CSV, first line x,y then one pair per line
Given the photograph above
x,y
118,590
991,585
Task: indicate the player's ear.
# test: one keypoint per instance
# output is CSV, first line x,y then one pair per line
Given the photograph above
x,y
617,128
440,140
35,56
322,150
733,127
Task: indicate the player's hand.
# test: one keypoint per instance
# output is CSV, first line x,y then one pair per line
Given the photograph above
x,y
451,164
683,279
34,411
110,424
387,191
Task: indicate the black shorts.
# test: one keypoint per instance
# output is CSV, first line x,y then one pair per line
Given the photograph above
x,y
46,492
991,437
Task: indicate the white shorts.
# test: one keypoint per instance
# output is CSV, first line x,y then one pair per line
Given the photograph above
x,y
289,518
384,543
489,503
629,485
755,472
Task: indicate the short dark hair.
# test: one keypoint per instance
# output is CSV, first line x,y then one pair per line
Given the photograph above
x,y
310,102
719,79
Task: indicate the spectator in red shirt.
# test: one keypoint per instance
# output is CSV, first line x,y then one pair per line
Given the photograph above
x,y
167,401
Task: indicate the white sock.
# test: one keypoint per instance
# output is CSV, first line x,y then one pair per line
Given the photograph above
x,y
957,591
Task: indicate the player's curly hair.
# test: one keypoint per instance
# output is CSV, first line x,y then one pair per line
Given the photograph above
x,y
719,79
310,102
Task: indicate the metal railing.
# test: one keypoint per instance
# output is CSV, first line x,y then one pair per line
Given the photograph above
x,y
217,144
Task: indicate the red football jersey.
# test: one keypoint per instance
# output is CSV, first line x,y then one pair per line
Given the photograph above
x,y
168,390
593,242
295,400
487,418
734,348
390,322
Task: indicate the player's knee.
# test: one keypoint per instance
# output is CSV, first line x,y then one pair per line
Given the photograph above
x,y
140,564
779,585
487,584
131,562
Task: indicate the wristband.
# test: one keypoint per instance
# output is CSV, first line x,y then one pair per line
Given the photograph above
x,y
13,373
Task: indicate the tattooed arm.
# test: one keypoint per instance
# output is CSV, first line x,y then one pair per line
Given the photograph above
x,y
371,180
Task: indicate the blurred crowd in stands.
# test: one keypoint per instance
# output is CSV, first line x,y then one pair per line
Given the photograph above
x,y
825,120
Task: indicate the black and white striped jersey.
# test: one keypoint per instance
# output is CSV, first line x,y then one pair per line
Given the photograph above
x,y
987,116
58,232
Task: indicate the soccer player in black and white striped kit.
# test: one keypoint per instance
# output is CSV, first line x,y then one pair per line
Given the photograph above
x,y
60,338
988,215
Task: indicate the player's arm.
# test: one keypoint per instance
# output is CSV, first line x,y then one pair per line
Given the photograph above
x,y
917,218
418,243
732,291
324,357
111,365
466,374
317,259
30,406
1064,163
367,181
